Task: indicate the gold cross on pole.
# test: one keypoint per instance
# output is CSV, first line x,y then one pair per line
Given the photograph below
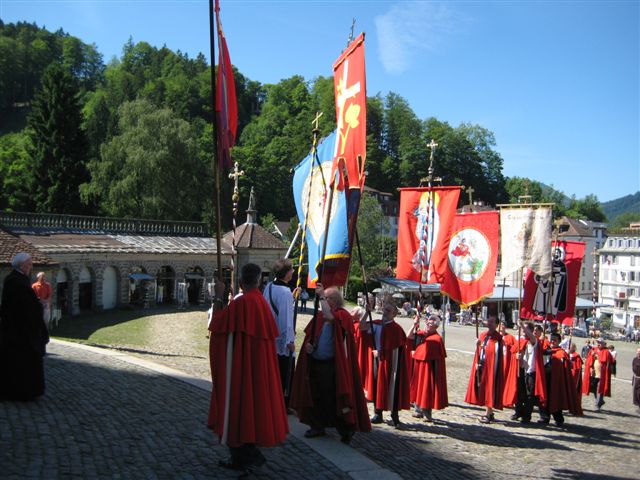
x,y
432,145
353,24
235,175
316,120
470,191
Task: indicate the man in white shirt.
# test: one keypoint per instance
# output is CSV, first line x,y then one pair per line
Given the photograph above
x,y
281,301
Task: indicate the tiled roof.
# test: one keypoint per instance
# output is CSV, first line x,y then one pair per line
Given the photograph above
x,y
11,244
252,235
92,243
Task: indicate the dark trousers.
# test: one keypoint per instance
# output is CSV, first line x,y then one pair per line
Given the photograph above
x,y
322,379
526,397
285,365
246,455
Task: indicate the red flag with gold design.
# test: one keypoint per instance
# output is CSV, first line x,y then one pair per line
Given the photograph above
x,y
472,257
424,229
351,112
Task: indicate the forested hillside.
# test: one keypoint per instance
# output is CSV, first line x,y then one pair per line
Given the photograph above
x,y
133,138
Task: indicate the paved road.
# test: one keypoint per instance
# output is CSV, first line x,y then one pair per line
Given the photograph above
x,y
103,417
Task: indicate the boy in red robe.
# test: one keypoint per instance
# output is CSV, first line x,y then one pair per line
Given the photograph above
x,y
387,381
327,391
531,381
597,373
247,407
429,381
486,381
510,353
561,394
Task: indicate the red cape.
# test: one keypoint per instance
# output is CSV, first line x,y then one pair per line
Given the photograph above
x,y
361,349
606,362
510,352
576,375
242,354
562,392
350,402
487,388
429,382
392,386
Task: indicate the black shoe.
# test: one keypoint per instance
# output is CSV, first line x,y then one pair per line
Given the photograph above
x,y
395,420
313,433
544,421
525,421
485,419
559,423
232,465
346,438
515,416
417,415
376,418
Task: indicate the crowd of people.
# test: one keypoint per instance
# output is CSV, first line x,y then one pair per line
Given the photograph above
x,y
348,359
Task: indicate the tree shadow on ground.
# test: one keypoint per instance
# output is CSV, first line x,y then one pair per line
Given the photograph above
x,y
563,473
142,352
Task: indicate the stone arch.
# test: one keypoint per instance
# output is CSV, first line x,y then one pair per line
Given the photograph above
x,y
166,281
195,283
86,288
62,293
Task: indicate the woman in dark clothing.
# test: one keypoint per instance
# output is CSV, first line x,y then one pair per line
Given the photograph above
x,y
23,335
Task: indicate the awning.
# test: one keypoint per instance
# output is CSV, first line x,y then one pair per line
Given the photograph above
x,y
193,276
141,276
390,284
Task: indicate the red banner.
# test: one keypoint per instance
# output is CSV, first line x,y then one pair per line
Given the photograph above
x,y
554,298
226,103
351,111
424,229
472,257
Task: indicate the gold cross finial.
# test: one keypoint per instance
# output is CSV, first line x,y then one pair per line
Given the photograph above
x,y
235,175
432,145
316,120
353,24
470,191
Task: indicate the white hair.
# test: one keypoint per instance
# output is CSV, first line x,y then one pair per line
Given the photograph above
x,y
19,259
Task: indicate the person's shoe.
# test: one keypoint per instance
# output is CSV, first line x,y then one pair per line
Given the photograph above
x,y
346,438
377,418
515,416
428,417
231,465
525,421
485,419
417,415
314,432
543,421
559,423
395,420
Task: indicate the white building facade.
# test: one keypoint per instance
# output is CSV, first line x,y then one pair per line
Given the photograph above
x,y
619,279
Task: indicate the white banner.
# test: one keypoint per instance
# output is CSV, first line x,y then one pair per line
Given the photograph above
x,y
525,240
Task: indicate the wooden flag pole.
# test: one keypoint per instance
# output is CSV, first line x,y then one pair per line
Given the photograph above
x,y
216,160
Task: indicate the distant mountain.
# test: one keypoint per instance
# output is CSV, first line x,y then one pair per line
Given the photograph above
x,y
628,203
550,192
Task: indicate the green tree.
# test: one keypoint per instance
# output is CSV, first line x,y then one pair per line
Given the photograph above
x,y
623,221
16,176
153,169
58,142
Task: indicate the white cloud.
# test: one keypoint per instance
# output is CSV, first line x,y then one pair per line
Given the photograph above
x,y
409,28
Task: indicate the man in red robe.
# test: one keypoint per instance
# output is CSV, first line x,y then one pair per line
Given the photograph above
x,y
327,391
358,314
576,371
247,407
531,381
387,381
486,381
561,394
597,373
429,381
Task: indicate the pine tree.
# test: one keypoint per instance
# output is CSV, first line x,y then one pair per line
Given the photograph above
x,y
59,144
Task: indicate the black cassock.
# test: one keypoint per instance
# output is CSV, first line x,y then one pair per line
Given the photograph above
x,y
636,381
23,336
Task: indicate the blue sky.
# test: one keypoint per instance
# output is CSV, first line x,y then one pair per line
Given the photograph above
x,y
557,82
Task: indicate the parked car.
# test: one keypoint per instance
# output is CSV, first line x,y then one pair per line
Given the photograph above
x,y
580,332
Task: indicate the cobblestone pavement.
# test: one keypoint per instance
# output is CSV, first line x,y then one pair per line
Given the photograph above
x,y
103,418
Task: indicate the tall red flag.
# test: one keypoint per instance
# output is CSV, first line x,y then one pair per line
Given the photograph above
x,y
351,111
554,298
424,229
472,257
226,103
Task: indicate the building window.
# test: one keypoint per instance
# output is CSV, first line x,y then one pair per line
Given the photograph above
x,y
582,286
611,242
619,242
589,283
632,260
614,259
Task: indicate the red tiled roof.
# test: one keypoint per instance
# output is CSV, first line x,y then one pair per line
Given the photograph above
x,y
11,245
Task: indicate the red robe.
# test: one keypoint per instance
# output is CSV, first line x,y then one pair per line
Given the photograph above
x,y
243,359
510,353
350,402
429,382
540,390
392,384
606,361
361,349
576,375
562,392
486,382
